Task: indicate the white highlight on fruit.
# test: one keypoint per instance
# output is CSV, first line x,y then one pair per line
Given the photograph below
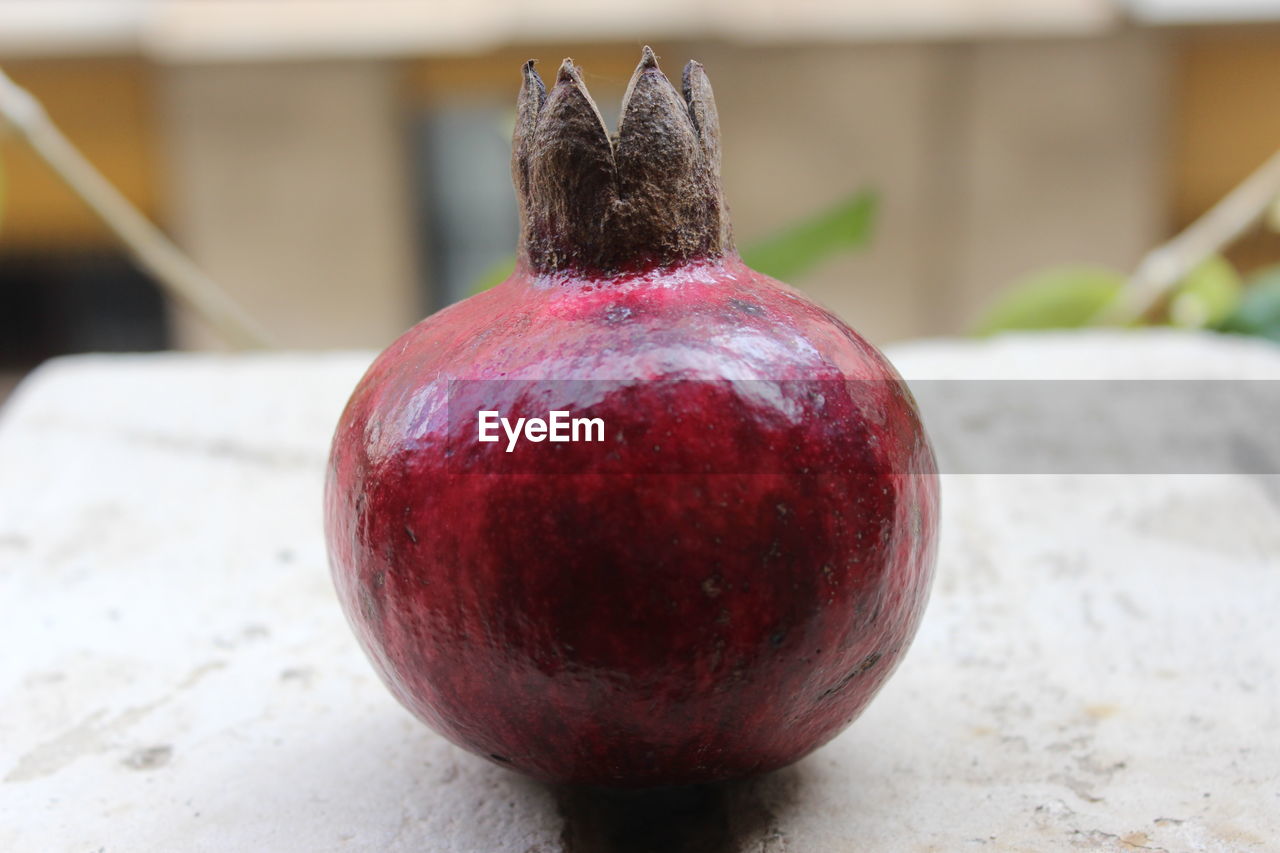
x,y
557,427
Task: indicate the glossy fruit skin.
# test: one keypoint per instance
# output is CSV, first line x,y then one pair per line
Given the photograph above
x,y
616,626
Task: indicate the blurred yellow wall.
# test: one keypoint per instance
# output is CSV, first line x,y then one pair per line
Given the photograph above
x,y
106,106
1227,122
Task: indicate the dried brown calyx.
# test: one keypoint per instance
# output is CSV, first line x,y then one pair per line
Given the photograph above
x,y
595,203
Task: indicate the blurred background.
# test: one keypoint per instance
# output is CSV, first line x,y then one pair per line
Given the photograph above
x,y
341,168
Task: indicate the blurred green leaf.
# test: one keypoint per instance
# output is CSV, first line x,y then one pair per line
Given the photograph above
x,y
1207,296
495,275
1057,298
1258,312
801,247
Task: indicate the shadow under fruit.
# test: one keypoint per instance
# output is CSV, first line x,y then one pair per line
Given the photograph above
x,y
720,585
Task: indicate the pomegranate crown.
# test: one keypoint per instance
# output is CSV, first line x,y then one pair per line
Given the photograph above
x,y
648,196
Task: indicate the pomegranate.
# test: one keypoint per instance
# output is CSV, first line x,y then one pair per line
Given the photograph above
x,y
712,581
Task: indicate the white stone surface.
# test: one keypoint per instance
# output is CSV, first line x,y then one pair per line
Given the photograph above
x,y
1099,668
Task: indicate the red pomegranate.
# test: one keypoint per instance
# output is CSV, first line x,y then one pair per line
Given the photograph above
x,y
713,582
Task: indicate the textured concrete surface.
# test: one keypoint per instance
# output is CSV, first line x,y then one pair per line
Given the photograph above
x,y
1099,668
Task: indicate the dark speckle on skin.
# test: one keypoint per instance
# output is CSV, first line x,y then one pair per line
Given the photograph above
x,y
746,307
863,665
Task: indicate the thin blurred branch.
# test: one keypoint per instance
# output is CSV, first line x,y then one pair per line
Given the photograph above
x,y
1165,266
172,269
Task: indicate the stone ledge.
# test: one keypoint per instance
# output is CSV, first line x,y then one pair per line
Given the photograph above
x,y
1099,667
